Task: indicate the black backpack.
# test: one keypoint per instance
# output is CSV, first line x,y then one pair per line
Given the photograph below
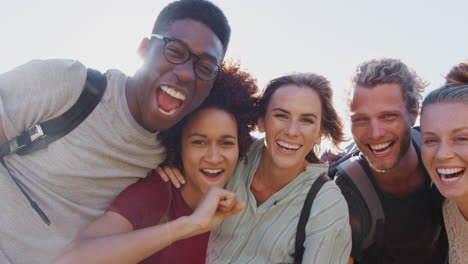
x,y
40,135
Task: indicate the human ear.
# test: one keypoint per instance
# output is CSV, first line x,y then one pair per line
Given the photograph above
x,y
414,116
261,125
318,139
143,48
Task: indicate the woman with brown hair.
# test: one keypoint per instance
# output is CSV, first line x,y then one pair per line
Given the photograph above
x,y
295,113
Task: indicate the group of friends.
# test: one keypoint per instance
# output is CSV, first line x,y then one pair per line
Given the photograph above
x,y
165,170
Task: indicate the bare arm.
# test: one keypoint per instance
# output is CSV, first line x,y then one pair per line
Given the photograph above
x,y
111,238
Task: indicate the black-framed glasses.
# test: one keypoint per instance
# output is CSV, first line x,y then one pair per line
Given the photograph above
x,y
177,52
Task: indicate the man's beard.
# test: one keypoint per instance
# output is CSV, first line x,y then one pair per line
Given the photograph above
x,y
405,143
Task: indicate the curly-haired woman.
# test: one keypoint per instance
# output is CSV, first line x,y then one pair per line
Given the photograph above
x,y
151,221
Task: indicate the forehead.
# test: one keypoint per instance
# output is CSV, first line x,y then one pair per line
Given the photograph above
x,y
211,121
444,117
297,99
377,99
200,38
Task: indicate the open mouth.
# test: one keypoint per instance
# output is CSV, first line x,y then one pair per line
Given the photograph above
x,y
287,147
382,148
450,175
169,100
212,173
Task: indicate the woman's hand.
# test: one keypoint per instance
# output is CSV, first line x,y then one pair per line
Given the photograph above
x,y
217,205
172,174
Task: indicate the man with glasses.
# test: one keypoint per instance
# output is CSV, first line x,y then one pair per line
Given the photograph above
x,y
76,177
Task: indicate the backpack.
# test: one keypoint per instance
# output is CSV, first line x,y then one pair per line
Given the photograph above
x,y
40,135
349,167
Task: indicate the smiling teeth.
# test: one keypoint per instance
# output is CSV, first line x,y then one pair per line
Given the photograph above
x,y
288,146
174,93
449,170
168,113
213,171
446,179
380,146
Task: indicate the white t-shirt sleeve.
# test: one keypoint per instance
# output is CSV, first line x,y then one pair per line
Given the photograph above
x,y
38,91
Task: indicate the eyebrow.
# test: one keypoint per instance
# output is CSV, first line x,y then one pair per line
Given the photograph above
x,y
460,129
453,131
287,112
203,55
205,136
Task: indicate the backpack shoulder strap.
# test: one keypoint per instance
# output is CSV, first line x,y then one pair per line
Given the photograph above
x,y
304,217
42,134
416,137
353,169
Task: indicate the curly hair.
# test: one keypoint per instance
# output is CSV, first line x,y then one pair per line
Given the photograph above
x,y
233,92
387,70
331,126
454,91
202,11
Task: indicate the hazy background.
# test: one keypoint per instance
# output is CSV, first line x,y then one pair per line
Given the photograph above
x,y
270,37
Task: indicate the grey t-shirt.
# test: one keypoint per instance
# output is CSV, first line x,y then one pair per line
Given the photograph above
x,y
75,178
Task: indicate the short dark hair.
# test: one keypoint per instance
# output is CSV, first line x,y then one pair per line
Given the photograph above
x,y
331,126
233,92
202,11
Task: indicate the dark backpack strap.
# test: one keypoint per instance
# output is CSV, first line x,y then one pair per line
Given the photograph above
x,y
353,169
416,137
304,217
58,127
40,135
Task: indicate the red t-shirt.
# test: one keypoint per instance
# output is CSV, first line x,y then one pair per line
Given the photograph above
x,y
144,203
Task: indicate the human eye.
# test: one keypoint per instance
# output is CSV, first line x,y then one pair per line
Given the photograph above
x,y
390,116
198,142
206,67
308,120
359,120
429,141
280,115
461,139
175,51
228,143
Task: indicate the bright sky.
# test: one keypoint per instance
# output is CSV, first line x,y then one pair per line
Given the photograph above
x,y
270,37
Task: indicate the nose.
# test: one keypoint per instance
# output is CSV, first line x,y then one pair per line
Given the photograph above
x,y
213,154
185,72
444,151
291,128
375,130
